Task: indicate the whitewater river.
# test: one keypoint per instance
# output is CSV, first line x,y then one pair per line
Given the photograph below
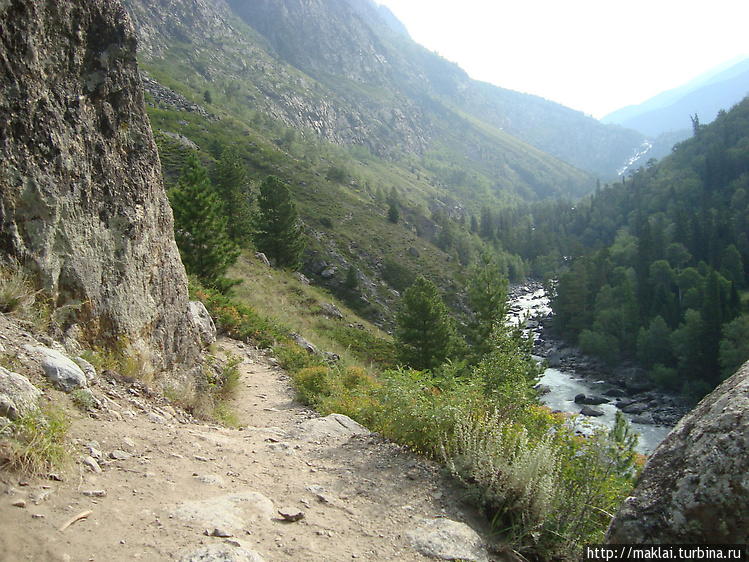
x,y
565,386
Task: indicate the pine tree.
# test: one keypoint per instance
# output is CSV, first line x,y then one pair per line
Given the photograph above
x,y
200,226
425,332
393,213
487,297
230,179
278,233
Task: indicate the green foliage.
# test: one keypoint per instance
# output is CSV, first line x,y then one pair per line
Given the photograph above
x,y
352,278
734,347
508,372
487,298
336,173
83,399
230,178
278,233
35,444
654,344
366,346
425,333
661,257
517,474
394,213
237,319
601,345
400,277
293,358
200,227
313,384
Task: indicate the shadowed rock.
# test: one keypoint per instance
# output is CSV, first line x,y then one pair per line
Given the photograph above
x,y
695,487
82,201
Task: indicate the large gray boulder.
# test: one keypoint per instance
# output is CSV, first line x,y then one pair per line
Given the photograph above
x,y
82,201
18,396
445,539
59,369
695,486
204,322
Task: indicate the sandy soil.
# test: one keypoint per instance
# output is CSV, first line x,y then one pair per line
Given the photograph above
x,y
169,483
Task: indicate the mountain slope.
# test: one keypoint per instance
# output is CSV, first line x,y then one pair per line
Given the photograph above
x,y
705,96
340,70
319,43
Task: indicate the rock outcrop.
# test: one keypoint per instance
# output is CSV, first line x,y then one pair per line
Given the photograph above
x,y
695,487
82,201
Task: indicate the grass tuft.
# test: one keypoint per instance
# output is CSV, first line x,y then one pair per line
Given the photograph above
x,y
35,444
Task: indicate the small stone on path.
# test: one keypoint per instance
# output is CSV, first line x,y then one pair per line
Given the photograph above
x,y
291,514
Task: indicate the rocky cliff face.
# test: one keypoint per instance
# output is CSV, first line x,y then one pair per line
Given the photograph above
x,y
695,487
234,58
82,201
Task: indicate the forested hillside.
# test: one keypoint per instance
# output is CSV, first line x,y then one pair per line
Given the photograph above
x,y
353,138
659,261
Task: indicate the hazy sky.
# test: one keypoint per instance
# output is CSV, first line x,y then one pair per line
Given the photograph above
x,y
592,55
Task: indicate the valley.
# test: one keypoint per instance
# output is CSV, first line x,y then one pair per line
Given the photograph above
x,y
354,218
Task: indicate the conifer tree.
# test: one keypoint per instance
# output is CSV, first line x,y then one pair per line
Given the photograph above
x,y
487,297
393,213
278,233
200,226
230,179
425,332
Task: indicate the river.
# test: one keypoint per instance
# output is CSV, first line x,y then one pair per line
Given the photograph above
x,y
564,386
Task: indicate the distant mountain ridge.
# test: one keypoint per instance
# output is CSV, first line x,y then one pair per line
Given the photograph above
x,y
358,79
706,95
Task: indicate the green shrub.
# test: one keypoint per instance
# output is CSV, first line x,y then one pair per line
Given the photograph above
x,y
293,358
313,383
240,321
35,444
17,293
666,377
603,346
83,399
517,475
366,346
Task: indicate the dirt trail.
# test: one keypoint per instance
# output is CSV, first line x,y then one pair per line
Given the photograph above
x,y
168,484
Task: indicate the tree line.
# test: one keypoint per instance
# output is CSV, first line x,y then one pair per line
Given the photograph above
x,y
216,214
654,266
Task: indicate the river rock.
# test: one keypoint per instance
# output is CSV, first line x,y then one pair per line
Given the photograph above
x,y
590,400
646,418
624,402
543,389
591,411
636,409
554,359
447,540
695,487
18,396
